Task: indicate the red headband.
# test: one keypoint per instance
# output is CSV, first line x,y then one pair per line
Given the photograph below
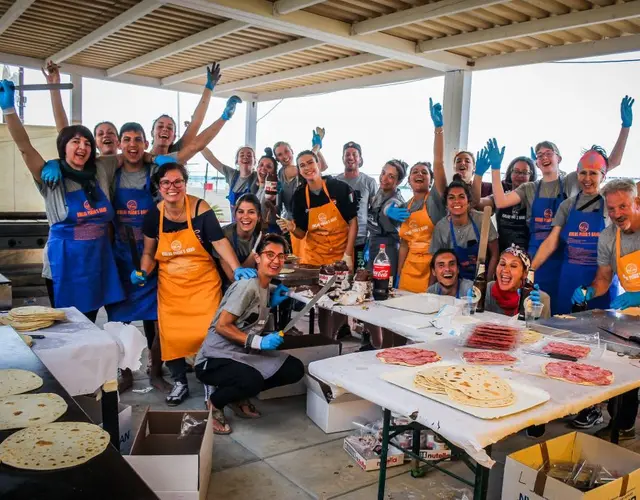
x,y
592,160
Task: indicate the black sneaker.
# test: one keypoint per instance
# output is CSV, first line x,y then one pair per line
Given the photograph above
x,y
535,431
178,394
343,331
587,418
623,435
366,345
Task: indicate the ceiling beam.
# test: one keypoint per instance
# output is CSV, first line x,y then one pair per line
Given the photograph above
x,y
127,17
245,59
418,14
404,75
13,13
282,7
205,36
145,81
314,69
580,50
306,24
616,12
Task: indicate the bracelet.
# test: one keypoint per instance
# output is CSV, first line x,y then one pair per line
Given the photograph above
x,y
9,111
438,132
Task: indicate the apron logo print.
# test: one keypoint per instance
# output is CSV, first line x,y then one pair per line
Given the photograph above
x,y
322,218
413,225
631,269
514,210
132,205
548,213
583,227
86,205
176,246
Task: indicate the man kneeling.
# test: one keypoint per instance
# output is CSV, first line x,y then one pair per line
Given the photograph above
x,y
238,357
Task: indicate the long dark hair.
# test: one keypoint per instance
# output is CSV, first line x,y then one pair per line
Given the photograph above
x,y
253,200
532,167
268,153
457,182
168,167
68,133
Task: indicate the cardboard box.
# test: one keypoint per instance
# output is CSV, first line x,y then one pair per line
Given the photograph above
x,y
93,408
435,454
367,459
523,482
306,348
336,414
175,469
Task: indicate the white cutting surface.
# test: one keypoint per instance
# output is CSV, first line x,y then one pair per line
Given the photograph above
x,y
82,356
359,373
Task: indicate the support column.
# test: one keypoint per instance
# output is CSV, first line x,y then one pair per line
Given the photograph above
x,y
251,124
76,100
457,104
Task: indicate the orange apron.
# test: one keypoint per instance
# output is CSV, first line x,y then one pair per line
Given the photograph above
x,y
297,246
628,268
416,231
327,233
189,290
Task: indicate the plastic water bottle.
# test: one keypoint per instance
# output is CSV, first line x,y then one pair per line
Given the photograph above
x,y
381,275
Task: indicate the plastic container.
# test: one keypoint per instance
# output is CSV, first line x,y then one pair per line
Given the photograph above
x,y
491,336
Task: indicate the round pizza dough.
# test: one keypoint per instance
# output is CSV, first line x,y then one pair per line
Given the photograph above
x,y
13,381
53,446
27,410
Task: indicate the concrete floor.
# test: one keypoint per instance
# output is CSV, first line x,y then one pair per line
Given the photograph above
x,y
284,455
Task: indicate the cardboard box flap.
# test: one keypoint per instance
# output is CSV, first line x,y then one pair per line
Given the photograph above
x,y
329,394
206,458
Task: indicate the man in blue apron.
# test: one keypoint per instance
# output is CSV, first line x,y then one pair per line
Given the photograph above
x,y
445,268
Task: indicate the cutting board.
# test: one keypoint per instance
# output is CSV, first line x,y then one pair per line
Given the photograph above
x,y
421,303
526,396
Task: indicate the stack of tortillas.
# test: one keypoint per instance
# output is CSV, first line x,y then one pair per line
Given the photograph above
x,y
30,318
467,385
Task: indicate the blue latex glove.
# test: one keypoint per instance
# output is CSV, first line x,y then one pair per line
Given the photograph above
x,y
580,295
271,341
495,154
626,113
163,159
7,95
51,173
138,278
534,156
230,108
279,295
397,213
244,273
482,162
534,295
316,140
213,75
627,299
436,113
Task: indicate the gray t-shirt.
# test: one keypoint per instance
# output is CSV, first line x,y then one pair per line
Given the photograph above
x,y
464,234
242,248
378,222
562,215
491,305
527,191
284,203
435,206
365,189
629,243
464,287
241,183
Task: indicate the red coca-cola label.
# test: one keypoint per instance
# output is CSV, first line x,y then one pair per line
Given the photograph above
x,y
381,271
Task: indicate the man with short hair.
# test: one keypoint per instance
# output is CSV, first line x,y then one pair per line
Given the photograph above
x,y
365,189
619,254
445,268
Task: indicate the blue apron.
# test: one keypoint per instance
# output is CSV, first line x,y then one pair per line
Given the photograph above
x,y
467,256
542,212
83,268
580,237
131,205
234,195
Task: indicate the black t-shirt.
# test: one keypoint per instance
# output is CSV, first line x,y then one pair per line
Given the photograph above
x,y
339,192
205,225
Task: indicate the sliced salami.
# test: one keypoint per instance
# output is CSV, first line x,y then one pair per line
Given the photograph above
x,y
492,336
408,356
577,351
488,358
578,373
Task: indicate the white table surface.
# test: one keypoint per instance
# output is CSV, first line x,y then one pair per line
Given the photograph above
x,y
359,373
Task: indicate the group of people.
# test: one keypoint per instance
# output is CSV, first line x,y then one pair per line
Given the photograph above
x,y
126,235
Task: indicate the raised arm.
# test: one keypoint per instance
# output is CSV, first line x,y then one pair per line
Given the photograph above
x,y
495,156
439,175
213,75
626,114
52,74
31,157
482,165
547,247
316,146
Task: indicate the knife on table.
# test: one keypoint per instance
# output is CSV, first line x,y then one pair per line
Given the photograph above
x,y
133,248
630,338
554,355
300,314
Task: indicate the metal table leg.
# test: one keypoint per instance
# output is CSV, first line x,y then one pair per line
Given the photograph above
x,y
110,423
615,419
382,478
481,483
312,320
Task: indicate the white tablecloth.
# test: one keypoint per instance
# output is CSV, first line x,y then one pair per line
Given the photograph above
x,y
359,374
82,356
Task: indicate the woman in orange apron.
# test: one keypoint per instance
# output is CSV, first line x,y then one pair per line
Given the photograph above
x,y
325,214
425,209
180,235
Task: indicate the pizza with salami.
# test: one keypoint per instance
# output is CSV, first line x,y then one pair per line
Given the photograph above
x,y
408,356
488,358
578,373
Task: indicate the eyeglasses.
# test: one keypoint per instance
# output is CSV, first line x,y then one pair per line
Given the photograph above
x,y
178,183
546,154
521,172
273,256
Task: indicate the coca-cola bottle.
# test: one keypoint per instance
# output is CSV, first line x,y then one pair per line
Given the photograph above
x,y
381,275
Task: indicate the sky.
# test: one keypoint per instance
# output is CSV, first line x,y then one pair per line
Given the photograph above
x,y
573,105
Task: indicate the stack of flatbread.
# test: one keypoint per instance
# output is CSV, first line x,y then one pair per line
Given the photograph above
x,y
467,385
31,318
